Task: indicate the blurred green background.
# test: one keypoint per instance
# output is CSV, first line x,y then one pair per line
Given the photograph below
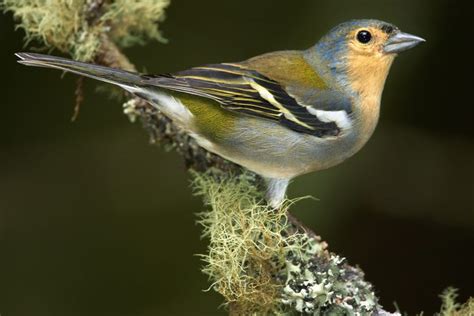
x,y
95,221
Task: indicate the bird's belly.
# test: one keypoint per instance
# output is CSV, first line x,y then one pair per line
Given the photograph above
x,y
274,151
260,145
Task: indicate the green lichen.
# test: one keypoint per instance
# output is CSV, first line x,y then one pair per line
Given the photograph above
x,y
75,27
450,306
55,24
326,285
246,242
135,22
261,265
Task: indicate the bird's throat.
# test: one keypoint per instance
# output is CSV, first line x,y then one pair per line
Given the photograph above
x,y
367,74
366,77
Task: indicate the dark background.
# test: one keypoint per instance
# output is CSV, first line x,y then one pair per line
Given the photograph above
x,y
95,221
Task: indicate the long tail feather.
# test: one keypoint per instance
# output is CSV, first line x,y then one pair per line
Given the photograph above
x,y
115,76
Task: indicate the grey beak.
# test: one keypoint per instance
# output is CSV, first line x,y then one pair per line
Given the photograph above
x,y
400,42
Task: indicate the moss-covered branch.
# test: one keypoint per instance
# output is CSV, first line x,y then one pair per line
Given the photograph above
x,y
78,27
262,261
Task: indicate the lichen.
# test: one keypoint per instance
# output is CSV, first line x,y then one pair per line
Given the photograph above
x,y
130,109
55,24
450,306
135,22
262,265
326,285
246,243
76,26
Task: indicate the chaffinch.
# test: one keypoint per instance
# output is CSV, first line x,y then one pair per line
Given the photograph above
x,y
281,114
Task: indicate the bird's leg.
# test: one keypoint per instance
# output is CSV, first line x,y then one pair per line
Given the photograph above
x,y
275,191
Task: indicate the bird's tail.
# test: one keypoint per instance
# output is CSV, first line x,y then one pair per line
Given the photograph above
x,y
122,78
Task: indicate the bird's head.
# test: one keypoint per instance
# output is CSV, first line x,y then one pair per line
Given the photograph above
x,y
359,53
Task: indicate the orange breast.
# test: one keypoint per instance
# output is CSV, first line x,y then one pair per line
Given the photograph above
x,y
367,75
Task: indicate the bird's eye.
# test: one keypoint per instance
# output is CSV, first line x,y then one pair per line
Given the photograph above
x,y
364,36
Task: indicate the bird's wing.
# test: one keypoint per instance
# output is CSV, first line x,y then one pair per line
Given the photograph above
x,y
238,88
278,86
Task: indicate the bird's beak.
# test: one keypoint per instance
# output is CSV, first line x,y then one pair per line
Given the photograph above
x,y
400,42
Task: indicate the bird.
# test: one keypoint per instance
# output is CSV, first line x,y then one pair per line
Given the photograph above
x,y
281,114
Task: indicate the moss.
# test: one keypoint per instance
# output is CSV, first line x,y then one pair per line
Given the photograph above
x,y
260,264
450,306
75,26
